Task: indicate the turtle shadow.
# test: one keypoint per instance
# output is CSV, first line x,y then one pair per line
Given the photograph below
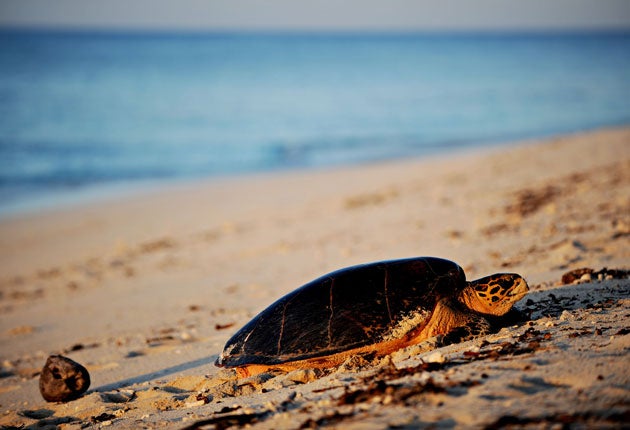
x,y
156,374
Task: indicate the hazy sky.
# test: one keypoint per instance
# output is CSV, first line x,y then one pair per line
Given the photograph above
x,y
317,14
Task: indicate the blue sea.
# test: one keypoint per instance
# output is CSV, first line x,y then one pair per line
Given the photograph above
x,y
81,112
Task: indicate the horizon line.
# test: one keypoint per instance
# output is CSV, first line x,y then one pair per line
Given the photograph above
x,y
130,30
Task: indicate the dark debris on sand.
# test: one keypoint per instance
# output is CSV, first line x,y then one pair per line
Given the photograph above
x,y
585,419
588,274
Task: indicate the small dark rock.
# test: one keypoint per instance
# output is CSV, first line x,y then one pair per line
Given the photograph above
x,y
62,379
202,397
223,326
102,417
226,409
76,347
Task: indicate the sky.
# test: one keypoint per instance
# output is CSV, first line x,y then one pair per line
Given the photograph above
x,y
317,15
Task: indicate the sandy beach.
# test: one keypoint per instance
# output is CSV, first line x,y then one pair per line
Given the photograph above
x,y
144,290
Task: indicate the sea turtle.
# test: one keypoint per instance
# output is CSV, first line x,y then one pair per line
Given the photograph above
x,y
373,308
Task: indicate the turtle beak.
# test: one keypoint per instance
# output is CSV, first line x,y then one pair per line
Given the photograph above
x,y
520,290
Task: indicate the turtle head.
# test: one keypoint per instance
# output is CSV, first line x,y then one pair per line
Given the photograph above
x,y
494,294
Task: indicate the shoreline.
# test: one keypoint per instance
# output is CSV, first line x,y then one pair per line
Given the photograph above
x,y
144,290
67,198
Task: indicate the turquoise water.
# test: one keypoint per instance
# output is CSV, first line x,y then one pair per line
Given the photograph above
x,y
83,110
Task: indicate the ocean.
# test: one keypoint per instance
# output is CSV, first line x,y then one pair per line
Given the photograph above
x,y
82,112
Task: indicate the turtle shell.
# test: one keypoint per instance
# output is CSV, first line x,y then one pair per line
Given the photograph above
x,y
343,310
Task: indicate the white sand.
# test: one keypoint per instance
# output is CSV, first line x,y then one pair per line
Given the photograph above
x,y
141,287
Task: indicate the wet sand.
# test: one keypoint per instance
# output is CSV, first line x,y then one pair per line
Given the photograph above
x,y
145,290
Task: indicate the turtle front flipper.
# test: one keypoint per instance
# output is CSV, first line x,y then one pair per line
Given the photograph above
x,y
477,326
456,323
